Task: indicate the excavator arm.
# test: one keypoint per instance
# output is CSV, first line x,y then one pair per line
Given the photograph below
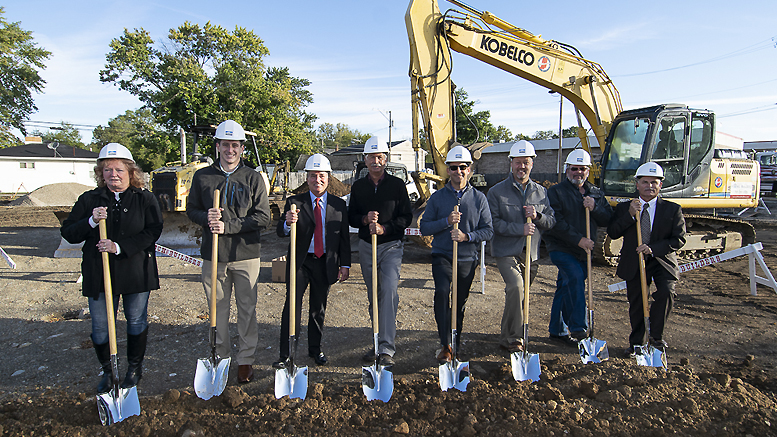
x,y
483,36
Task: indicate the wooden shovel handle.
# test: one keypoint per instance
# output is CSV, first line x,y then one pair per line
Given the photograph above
x,y
293,277
375,326
642,274
214,260
527,277
588,258
108,291
455,276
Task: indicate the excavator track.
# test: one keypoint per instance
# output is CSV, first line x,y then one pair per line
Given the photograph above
x,y
706,236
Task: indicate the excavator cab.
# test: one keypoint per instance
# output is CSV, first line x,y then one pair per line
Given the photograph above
x,y
676,137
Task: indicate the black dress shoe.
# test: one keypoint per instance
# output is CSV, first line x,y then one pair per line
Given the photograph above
x,y
578,335
280,364
386,360
661,344
629,352
319,359
369,356
564,339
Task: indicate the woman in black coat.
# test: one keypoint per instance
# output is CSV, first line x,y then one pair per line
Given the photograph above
x,y
134,223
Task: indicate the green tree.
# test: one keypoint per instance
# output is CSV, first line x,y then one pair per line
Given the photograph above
x,y
150,143
20,60
339,136
471,126
216,75
65,133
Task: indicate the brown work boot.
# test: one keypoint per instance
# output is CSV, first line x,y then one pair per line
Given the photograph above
x,y
445,355
245,373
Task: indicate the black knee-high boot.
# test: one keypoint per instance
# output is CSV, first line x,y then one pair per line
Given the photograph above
x,y
136,350
104,357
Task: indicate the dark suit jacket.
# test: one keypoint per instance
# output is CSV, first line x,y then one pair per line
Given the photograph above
x,y
666,237
338,240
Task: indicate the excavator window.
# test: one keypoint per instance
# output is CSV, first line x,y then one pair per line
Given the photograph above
x,y
624,156
701,139
668,148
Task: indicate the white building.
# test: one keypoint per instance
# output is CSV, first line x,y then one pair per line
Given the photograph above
x,y
25,168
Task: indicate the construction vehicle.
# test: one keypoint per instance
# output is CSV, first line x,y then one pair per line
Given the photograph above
x,y
171,183
768,162
698,176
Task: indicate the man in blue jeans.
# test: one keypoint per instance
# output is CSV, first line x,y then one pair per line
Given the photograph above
x,y
567,245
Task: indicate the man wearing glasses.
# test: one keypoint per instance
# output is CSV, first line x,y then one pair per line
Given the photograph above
x,y
474,220
567,245
511,202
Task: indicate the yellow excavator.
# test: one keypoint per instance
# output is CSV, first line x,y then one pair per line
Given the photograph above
x,y
699,176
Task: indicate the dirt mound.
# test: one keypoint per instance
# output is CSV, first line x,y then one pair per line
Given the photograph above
x,y
64,194
614,398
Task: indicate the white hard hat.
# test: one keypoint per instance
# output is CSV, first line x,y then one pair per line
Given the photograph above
x,y
578,157
114,150
522,148
375,145
458,154
318,162
230,130
650,169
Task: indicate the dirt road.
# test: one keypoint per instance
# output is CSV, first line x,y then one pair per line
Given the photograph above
x,y
721,356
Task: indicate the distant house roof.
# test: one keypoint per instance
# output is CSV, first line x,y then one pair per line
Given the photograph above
x,y
358,149
567,143
39,150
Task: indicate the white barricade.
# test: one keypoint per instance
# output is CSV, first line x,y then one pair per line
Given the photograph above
x,y
178,255
7,258
751,250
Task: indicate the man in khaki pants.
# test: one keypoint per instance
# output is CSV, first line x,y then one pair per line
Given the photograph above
x,y
244,213
511,202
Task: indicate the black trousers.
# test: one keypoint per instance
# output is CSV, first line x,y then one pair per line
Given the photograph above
x,y
663,299
312,272
442,272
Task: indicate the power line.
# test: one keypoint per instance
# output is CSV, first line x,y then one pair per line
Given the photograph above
x,y
761,45
750,111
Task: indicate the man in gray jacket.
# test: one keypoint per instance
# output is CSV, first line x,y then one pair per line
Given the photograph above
x,y
244,213
511,202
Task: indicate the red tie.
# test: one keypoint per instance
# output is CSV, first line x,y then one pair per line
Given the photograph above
x,y
318,236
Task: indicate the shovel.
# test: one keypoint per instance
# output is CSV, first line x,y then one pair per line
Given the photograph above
x,y
377,381
292,381
647,354
118,403
212,373
591,349
454,374
525,365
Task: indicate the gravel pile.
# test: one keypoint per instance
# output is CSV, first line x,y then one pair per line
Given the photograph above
x,y
64,194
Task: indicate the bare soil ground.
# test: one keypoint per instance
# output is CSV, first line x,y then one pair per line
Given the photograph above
x,y
721,357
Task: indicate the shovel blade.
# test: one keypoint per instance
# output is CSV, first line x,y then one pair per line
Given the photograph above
x,y
210,378
593,350
525,366
291,382
454,375
377,383
114,407
648,355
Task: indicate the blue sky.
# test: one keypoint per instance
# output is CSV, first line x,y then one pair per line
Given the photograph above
x,y
718,55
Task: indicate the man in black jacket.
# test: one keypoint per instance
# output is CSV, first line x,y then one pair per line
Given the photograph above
x,y
323,254
663,233
380,205
568,245
244,213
